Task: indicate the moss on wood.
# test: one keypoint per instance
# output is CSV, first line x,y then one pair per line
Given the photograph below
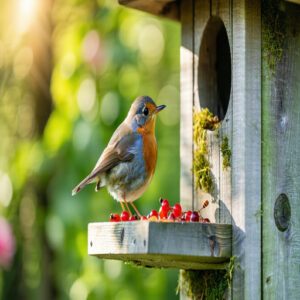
x,y
226,153
202,121
208,284
273,32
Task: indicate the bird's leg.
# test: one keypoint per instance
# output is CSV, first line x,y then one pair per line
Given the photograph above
x,y
136,210
126,203
122,205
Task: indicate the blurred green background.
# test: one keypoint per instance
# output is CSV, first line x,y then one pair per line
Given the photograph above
x,y
69,70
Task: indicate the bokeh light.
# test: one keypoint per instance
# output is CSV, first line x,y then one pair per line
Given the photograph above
x,y
110,108
151,43
93,51
81,135
86,98
169,95
113,268
68,65
129,81
78,290
6,189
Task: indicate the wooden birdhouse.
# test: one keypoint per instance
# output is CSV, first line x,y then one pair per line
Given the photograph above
x,y
240,62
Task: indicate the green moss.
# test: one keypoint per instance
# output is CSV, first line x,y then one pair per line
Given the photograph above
x,y
273,32
206,284
202,121
226,153
202,172
209,284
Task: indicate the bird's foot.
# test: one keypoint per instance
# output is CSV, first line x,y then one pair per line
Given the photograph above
x,y
135,209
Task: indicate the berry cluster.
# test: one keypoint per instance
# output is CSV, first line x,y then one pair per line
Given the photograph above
x,y
166,213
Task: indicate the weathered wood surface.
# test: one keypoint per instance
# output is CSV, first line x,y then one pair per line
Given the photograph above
x,y
157,244
281,167
223,9
237,197
186,106
200,19
220,200
164,8
246,149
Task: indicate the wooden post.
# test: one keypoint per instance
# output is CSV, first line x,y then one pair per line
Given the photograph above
x,y
246,149
281,152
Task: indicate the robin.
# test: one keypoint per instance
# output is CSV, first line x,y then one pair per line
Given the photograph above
x,y
127,164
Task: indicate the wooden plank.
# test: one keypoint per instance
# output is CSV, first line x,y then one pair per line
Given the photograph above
x,y
281,168
159,244
164,8
223,9
246,148
220,199
186,105
202,15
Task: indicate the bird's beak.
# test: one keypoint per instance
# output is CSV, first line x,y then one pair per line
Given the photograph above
x,y
159,108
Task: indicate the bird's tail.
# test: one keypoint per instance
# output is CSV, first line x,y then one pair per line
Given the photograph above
x,y
82,184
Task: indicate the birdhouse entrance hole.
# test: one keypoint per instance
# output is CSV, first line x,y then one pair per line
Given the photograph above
x,y
214,70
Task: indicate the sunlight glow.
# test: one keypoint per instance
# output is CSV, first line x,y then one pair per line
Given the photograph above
x,y
27,9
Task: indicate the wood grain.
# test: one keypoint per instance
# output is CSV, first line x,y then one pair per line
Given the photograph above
x,y
223,9
160,244
281,167
246,148
220,199
202,15
186,105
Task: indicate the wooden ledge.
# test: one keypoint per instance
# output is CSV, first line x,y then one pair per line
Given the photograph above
x,y
164,8
157,244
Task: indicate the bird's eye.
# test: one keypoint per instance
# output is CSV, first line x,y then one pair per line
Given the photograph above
x,y
145,111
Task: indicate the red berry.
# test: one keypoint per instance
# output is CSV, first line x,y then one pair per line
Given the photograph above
x,y
165,205
206,220
172,217
153,213
143,218
133,218
163,214
177,210
194,216
188,215
114,218
153,218
125,216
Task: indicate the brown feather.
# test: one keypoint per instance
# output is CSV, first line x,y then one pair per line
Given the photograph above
x,y
115,152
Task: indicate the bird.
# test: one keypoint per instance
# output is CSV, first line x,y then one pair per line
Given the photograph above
x,y
127,164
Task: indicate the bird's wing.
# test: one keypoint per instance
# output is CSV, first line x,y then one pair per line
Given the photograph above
x,y
114,154
117,151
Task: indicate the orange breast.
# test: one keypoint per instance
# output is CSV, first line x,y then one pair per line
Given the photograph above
x,y
150,152
149,146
